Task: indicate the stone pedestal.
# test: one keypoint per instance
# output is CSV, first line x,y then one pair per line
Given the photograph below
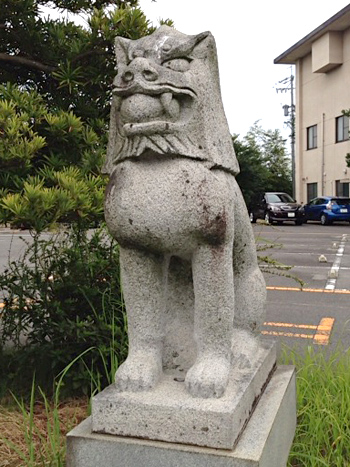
x,y
169,413
264,442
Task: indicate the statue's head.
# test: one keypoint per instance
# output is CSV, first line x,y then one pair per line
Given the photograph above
x,y
166,100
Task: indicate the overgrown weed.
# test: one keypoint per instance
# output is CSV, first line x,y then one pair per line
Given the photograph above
x,y
323,400
33,433
62,297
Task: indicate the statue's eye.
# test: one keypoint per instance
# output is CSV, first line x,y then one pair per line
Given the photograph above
x,y
137,53
178,64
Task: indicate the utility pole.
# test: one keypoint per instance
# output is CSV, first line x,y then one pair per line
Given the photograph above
x,y
289,111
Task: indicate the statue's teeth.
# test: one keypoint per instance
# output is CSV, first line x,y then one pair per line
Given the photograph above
x,y
170,105
166,99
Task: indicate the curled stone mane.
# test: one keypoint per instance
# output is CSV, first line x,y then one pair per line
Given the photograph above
x,y
162,144
135,146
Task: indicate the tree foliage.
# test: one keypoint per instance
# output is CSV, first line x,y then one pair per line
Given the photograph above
x,y
55,87
71,65
49,164
347,156
264,163
347,159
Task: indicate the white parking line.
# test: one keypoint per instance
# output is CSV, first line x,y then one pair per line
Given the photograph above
x,y
334,271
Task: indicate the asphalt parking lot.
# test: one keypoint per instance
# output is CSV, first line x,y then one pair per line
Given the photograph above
x,y
319,314
320,257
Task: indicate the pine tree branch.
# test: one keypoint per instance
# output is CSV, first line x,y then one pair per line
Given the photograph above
x,y
87,54
11,31
16,59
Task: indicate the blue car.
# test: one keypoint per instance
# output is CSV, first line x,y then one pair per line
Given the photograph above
x,y
327,209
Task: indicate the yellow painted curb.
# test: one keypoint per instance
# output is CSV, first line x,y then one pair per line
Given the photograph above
x,y
321,335
297,289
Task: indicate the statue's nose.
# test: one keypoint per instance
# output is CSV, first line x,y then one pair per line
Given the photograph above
x,y
139,67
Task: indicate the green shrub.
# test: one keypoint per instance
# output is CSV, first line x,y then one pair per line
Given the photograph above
x,y
49,163
63,299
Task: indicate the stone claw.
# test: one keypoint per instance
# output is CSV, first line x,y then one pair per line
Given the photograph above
x,y
138,374
208,377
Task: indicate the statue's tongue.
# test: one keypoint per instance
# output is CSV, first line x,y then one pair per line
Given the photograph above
x,y
140,108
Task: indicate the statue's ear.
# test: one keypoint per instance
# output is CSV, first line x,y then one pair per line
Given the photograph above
x,y
201,42
198,38
122,49
187,47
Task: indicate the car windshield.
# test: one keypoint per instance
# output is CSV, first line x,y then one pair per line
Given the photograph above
x,y
279,198
343,201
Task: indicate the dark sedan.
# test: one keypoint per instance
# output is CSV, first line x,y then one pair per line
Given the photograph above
x,y
275,207
327,209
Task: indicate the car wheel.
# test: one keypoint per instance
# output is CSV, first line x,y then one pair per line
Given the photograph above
x,y
280,222
252,218
268,218
324,219
299,222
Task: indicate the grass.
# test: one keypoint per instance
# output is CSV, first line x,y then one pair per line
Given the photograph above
x,y
35,430
323,400
269,265
33,434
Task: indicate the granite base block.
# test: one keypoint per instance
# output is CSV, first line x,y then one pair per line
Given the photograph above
x,y
169,413
265,441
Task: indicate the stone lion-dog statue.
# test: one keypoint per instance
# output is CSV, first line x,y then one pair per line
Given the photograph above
x,y
194,294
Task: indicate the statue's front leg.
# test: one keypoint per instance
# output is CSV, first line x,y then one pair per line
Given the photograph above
x,y
214,305
143,280
250,287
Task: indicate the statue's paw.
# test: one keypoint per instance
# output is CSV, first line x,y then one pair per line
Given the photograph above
x,y
138,374
245,348
208,377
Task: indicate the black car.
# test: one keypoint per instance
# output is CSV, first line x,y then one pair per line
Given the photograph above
x,y
275,207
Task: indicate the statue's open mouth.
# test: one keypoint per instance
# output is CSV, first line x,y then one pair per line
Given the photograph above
x,y
151,109
152,90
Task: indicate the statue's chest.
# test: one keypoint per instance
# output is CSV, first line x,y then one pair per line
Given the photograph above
x,y
166,203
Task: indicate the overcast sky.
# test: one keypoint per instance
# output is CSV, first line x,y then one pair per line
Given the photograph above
x,y
249,36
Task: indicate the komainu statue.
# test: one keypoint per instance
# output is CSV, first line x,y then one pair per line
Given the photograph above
x,y
193,290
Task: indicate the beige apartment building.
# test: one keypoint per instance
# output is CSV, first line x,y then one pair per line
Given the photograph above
x,y
322,69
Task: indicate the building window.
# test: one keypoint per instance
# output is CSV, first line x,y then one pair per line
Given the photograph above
x,y
311,191
341,128
312,137
341,189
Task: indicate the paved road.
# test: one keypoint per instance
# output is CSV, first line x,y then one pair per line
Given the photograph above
x,y
319,315
12,245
